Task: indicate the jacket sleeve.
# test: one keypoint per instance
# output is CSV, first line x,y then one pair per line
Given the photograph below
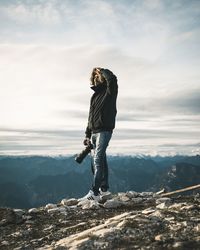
x,y
88,132
111,81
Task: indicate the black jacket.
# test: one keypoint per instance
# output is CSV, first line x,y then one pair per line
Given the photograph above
x,y
103,105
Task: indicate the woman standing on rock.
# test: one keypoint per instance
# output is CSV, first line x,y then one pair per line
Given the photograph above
x,y
101,122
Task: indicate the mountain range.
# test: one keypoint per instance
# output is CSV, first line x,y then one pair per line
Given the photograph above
x,y
31,181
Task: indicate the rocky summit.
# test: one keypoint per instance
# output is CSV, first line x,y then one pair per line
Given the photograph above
x,y
128,220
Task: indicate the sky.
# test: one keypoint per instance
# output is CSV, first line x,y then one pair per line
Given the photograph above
x,y
49,48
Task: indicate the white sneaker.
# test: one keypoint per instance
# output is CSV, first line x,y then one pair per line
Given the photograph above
x,y
91,196
105,195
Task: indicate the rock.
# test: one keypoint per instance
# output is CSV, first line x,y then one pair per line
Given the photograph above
x,y
57,210
137,200
148,211
50,206
149,200
107,196
195,219
5,243
27,217
19,212
188,207
176,226
132,194
178,245
123,197
157,213
33,210
7,216
82,202
162,206
19,215
159,237
142,225
30,222
69,202
197,228
49,228
185,223
166,200
112,204
146,194
177,206
3,222
16,234
169,218
91,205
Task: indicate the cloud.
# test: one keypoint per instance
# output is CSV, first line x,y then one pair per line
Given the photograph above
x,y
133,141
153,4
187,102
39,81
113,22
37,141
145,134
48,51
41,12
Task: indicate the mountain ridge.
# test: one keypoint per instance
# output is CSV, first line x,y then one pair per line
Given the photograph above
x,y
34,181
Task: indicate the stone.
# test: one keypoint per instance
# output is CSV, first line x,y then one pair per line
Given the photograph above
x,y
157,213
3,222
69,202
7,216
146,194
132,194
57,210
19,212
149,200
5,243
176,226
164,199
185,223
177,245
83,202
27,217
137,200
33,210
49,228
50,206
148,211
188,207
29,222
197,228
123,197
159,237
16,234
169,218
162,206
112,204
176,206
107,196
91,205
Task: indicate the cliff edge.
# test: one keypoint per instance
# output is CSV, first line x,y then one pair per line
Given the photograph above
x,y
129,220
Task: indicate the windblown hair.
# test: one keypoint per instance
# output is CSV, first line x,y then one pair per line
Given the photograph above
x,y
93,79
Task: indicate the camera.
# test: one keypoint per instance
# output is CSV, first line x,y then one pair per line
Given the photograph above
x,y
80,157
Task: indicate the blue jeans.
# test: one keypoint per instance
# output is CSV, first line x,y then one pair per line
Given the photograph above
x,y
99,164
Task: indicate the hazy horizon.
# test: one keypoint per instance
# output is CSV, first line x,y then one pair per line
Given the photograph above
x,y
47,53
